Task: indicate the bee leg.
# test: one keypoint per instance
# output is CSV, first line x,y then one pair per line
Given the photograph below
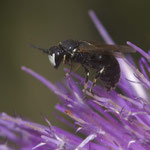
x,y
86,79
64,59
95,79
94,82
78,66
68,74
70,68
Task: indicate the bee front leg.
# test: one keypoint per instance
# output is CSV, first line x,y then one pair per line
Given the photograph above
x,y
70,64
70,68
86,78
64,59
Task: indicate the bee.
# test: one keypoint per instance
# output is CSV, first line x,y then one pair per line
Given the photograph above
x,y
100,57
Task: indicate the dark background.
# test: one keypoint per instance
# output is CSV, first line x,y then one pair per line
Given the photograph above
x,y
45,23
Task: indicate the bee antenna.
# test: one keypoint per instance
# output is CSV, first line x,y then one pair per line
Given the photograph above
x,y
42,49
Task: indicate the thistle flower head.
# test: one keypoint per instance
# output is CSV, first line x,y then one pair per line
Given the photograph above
x,y
109,120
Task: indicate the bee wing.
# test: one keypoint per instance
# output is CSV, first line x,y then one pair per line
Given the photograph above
x,y
90,47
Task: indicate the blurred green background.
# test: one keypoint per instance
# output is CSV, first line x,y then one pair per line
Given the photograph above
x,y
45,23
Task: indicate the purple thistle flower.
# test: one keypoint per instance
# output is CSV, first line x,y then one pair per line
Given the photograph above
x,y
109,120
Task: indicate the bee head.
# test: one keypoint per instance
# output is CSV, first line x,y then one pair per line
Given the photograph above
x,y
69,46
55,55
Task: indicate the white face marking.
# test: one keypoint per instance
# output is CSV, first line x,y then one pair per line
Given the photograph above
x,y
52,59
101,71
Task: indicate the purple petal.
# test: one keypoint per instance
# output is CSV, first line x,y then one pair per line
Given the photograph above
x,y
139,50
101,29
112,120
142,63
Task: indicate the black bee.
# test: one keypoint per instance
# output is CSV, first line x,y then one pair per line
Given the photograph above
x,y
100,57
